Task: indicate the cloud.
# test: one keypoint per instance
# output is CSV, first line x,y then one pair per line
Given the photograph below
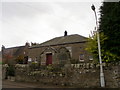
x,y
41,21
24,9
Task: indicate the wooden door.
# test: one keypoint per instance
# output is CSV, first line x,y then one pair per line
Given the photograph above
x,y
48,58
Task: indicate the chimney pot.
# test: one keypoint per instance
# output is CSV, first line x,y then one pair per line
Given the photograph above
x,y
65,33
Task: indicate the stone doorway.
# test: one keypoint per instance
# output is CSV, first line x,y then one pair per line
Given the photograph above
x,y
48,58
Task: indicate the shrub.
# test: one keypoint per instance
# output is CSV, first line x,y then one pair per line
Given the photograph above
x,y
11,70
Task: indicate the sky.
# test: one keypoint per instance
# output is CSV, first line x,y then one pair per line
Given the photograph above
x,y
39,21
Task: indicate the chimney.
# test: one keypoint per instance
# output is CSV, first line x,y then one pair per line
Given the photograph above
x,y
27,44
65,33
3,47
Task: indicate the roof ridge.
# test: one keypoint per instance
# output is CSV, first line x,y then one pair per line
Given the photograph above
x,y
62,40
14,47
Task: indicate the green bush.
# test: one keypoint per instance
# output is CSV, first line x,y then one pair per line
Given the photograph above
x,y
11,70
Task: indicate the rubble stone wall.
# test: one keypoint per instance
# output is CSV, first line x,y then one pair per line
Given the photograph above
x,y
84,75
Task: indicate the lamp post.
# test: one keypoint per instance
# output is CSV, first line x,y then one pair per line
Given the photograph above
x,y
102,81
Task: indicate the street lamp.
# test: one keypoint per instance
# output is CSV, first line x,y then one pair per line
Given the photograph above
x,y
102,81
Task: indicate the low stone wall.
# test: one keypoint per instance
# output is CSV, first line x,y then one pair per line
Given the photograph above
x,y
75,75
84,75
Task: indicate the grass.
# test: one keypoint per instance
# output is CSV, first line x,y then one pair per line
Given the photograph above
x,y
1,63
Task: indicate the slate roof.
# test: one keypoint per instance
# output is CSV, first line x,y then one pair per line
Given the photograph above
x,y
14,50
69,39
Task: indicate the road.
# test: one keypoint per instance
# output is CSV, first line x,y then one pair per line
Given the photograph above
x,y
12,84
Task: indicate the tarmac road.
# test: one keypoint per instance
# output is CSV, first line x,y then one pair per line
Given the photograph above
x,y
12,84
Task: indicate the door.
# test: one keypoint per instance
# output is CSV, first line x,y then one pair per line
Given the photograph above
x,y
48,58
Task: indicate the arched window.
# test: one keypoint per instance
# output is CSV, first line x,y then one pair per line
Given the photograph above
x,y
63,55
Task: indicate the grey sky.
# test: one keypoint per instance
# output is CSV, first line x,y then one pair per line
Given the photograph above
x,y
41,21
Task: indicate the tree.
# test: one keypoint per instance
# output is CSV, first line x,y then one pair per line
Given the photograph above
x,y
110,26
92,46
20,59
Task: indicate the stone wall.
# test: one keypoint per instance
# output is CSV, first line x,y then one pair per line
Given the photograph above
x,y
4,70
75,75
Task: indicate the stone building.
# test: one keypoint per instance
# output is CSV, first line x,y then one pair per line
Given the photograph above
x,y
9,55
61,50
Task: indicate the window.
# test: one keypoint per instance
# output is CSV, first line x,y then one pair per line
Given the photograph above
x,y
63,56
81,57
29,59
91,58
